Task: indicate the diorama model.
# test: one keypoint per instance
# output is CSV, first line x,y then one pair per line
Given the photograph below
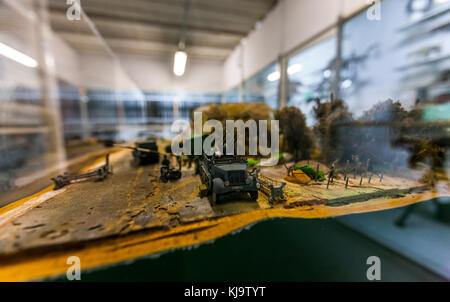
x,y
146,152
333,169
66,178
167,172
226,174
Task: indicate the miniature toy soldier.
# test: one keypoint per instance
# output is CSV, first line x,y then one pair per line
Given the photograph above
x,y
358,163
332,172
179,161
190,158
197,165
166,161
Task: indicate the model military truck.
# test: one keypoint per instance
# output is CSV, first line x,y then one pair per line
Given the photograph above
x,y
146,152
222,175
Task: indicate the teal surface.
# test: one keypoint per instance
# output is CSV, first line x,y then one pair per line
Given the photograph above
x,y
273,250
439,112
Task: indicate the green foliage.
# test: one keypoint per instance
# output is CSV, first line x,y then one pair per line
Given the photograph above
x,y
252,162
321,176
309,171
298,139
333,138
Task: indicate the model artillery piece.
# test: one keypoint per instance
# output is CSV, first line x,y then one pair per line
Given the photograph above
x,y
66,179
168,173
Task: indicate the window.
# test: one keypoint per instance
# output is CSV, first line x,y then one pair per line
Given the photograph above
x,y
263,87
405,56
232,96
311,75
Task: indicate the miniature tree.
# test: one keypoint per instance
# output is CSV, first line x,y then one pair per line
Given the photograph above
x,y
334,137
298,139
427,143
375,139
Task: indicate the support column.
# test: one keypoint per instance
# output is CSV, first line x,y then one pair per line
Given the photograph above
x,y
338,62
176,99
241,88
283,84
121,122
49,87
84,114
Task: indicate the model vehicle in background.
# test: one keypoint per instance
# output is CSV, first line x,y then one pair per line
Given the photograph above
x,y
107,137
145,152
227,174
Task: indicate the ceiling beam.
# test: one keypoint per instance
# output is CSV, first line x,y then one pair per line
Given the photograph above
x,y
253,9
59,22
121,30
207,22
94,16
130,46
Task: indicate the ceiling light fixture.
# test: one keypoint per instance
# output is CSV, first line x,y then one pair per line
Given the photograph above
x,y
293,69
179,62
347,84
180,56
274,76
17,56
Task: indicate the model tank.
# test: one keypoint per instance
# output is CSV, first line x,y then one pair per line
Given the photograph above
x,y
146,152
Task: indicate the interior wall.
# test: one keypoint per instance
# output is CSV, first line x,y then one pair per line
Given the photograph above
x,y
67,61
149,73
97,70
154,73
289,24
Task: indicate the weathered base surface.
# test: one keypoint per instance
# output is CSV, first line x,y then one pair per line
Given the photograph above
x,y
132,214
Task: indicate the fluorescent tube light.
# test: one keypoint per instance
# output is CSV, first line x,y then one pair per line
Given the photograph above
x,y
274,76
293,69
179,63
17,56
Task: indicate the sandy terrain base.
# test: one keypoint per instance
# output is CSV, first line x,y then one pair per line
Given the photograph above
x,y
132,214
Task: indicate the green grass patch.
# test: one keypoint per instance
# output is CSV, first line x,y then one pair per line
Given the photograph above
x,y
253,162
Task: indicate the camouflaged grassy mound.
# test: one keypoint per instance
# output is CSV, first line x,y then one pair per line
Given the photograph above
x,y
236,111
